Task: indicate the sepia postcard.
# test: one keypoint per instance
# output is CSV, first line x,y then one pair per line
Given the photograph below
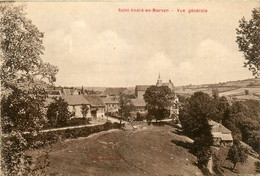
x,y
130,88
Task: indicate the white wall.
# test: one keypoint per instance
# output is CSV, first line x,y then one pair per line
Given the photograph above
x,y
77,110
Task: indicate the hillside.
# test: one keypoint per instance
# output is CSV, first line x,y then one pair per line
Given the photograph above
x,y
148,150
231,89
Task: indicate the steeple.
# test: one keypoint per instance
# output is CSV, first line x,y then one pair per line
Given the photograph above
x,y
159,81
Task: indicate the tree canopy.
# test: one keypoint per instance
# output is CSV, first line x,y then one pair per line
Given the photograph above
x,y
24,75
158,100
24,79
125,106
237,153
58,113
248,39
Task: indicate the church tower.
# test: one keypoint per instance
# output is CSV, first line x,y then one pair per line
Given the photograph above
x,y
159,81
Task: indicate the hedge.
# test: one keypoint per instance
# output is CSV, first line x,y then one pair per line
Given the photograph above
x,y
50,137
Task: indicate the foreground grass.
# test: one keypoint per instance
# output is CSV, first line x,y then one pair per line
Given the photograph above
x,y
147,151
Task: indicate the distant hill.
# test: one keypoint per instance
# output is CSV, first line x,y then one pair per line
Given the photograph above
x,y
232,89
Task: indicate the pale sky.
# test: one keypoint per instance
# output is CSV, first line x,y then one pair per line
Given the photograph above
x,y
95,45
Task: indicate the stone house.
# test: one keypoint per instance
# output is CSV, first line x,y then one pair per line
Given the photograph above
x,y
75,103
140,91
112,104
97,106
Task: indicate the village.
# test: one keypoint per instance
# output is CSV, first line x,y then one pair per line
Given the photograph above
x,y
105,106
92,89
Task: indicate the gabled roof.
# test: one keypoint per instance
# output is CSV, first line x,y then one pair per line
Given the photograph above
x,y
113,91
67,91
138,102
217,127
75,99
224,137
110,100
55,92
219,131
142,87
95,101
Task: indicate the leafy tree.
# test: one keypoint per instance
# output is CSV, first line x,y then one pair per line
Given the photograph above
x,y
24,79
243,120
220,107
257,167
215,93
58,113
247,92
125,106
194,116
237,154
201,147
248,37
195,113
158,100
84,110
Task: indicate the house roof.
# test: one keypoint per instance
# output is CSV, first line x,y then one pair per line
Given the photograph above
x,y
95,101
67,91
138,102
55,92
75,99
142,87
128,91
110,100
224,137
217,127
113,91
219,131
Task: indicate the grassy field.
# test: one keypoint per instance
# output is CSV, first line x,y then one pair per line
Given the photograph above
x,y
233,89
148,150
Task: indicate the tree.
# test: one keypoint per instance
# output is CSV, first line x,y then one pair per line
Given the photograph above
x,y
24,75
125,106
220,107
58,113
257,167
237,154
194,116
215,93
195,113
84,110
158,100
24,79
247,92
248,37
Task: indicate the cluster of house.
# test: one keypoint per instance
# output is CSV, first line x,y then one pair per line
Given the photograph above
x,y
76,99
108,102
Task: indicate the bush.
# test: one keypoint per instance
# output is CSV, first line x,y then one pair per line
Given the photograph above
x,y
58,113
141,116
77,121
216,165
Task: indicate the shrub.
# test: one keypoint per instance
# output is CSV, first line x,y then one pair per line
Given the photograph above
x,y
77,121
58,113
140,116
